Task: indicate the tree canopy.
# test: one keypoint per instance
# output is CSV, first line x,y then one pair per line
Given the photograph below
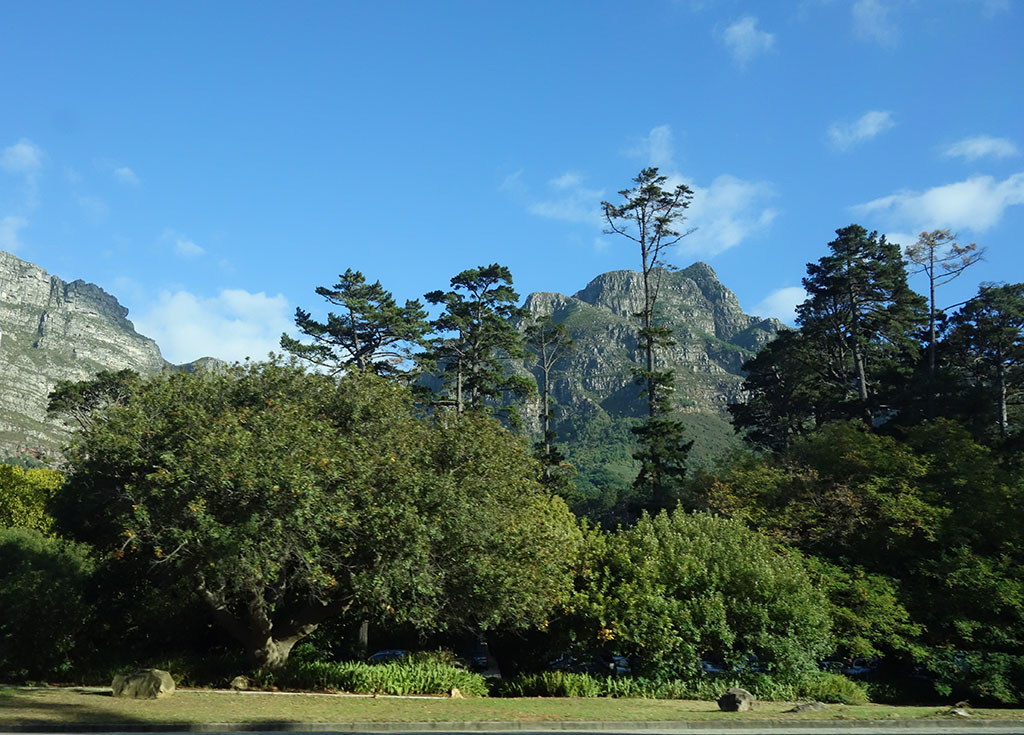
x,y
283,498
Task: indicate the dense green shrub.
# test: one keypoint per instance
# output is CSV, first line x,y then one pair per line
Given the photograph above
x,y
43,603
832,688
24,494
397,677
676,587
980,676
822,687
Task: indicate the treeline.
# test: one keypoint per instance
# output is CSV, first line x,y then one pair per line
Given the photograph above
x,y
887,447
265,513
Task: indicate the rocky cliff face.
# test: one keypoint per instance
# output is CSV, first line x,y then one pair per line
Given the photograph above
x,y
713,338
51,331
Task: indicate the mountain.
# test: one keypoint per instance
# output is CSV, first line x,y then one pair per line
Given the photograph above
x,y
51,330
597,397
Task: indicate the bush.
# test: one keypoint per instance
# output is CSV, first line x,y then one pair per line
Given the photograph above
x,y
43,603
675,587
832,688
822,687
397,677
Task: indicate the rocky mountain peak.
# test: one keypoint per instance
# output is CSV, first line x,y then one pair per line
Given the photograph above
x,y
51,331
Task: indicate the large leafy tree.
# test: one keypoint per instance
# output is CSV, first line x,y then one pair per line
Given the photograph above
x,y
986,346
477,335
372,332
854,354
282,498
864,319
650,216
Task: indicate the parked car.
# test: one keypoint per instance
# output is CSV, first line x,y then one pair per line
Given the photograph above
x,y
859,666
391,654
601,664
713,665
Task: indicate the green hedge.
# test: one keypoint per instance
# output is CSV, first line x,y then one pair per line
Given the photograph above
x,y
831,688
397,677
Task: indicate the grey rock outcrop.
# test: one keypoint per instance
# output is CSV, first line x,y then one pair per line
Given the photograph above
x,y
712,334
51,330
143,684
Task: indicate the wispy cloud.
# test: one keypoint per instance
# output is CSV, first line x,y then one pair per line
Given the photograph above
x,y
867,126
24,157
745,41
126,176
872,22
981,146
182,245
570,200
781,303
233,325
9,227
187,249
657,148
725,213
992,8
975,204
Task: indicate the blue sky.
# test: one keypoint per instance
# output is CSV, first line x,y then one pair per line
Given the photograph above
x,y
211,163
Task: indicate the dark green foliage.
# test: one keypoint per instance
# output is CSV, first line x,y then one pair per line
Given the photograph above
x,y
372,333
283,498
855,353
477,333
45,605
986,347
868,618
84,400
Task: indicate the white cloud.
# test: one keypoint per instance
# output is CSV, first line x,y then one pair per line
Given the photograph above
x,y
975,204
233,325
869,125
126,176
9,227
656,148
871,22
971,149
903,239
571,202
781,303
24,157
187,249
745,41
726,213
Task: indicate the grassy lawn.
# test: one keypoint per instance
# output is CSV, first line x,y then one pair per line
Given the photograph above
x,y
66,706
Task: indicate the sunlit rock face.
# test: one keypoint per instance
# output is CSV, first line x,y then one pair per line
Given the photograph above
x,y
51,331
713,338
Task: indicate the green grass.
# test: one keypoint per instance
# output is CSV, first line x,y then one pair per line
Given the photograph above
x,y
79,706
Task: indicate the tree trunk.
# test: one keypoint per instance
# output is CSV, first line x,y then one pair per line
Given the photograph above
x,y
273,654
363,644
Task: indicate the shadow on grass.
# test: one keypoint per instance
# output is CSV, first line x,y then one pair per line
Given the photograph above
x,y
23,708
